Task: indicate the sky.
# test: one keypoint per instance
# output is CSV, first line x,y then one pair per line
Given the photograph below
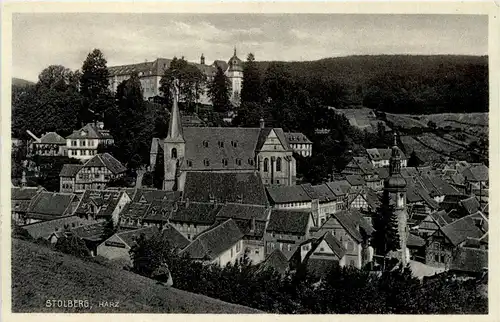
x,y
44,39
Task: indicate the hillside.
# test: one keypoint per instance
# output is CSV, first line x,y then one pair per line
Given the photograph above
x,y
21,82
39,274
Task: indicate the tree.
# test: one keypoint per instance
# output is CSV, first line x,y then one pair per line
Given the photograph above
x,y
251,88
49,169
189,78
94,86
109,229
413,160
219,91
278,83
72,245
385,223
148,254
159,171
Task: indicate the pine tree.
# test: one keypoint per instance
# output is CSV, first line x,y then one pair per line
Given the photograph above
x,y
251,87
385,223
218,91
109,229
94,87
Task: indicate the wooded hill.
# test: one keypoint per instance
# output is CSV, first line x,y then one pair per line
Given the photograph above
x,y
414,84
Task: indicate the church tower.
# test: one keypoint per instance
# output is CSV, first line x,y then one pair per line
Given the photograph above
x,y
395,186
174,145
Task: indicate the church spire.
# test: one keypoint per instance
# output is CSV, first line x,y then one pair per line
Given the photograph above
x,y
175,125
234,51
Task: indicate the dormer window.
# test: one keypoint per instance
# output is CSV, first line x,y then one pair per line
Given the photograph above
x,y
224,162
205,144
221,144
206,163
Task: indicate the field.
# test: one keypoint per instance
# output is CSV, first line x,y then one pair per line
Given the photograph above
x,y
40,274
404,121
423,152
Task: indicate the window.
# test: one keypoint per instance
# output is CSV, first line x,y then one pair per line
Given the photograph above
x,y
224,162
250,161
277,181
205,144
289,247
82,142
232,252
96,175
206,163
73,143
321,249
350,246
189,163
238,247
238,161
173,153
278,164
271,245
221,144
234,143
266,165
436,258
257,252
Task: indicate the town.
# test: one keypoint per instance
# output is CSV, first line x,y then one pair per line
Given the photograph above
x,y
187,173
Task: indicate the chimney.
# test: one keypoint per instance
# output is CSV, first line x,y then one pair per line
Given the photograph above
x,y
262,124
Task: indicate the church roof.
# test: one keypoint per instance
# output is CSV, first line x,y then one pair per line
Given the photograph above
x,y
238,187
207,147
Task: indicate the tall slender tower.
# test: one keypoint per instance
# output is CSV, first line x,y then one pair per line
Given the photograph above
x,y
395,186
174,144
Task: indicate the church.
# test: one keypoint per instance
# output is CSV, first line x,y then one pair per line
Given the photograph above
x,y
264,151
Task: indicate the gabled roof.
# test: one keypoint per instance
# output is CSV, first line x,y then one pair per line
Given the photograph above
x,y
277,261
353,222
296,138
70,170
476,173
130,236
340,188
106,160
24,193
199,213
323,193
213,242
106,200
51,204
174,237
334,244
52,138
247,212
92,232
245,188
460,229
415,241
43,229
361,163
355,180
471,205
289,222
441,218
287,194
134,210
90,131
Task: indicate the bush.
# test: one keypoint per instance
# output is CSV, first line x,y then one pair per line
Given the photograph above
x,y
72,245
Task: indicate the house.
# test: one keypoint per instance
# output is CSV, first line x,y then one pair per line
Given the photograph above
x,y
46,229
133,214
117,247
476,178
328,202
224,150
221,245
49,144
416,247
366,200
353,231
299,143
93,174
442,245
363,167
469,263
48,206
82,144
192,218
469,205
435,186
151,72
356,182
159,213
289,197
380,157
251,220
102,205
93,235
244,187
340,189
20,200
286,229
276,261
319,256
431,223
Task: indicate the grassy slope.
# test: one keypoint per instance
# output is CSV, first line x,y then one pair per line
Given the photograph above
x,y
39,274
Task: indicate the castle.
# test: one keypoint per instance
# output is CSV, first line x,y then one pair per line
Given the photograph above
x,y
150,74
259,150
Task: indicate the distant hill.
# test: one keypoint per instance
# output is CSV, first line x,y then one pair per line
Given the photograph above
x,y
21,82
39,274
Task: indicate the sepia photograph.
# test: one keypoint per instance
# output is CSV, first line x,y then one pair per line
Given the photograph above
x,y
239,163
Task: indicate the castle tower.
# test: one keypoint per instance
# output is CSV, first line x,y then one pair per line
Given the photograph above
x,y
235,75
174,145
395,186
